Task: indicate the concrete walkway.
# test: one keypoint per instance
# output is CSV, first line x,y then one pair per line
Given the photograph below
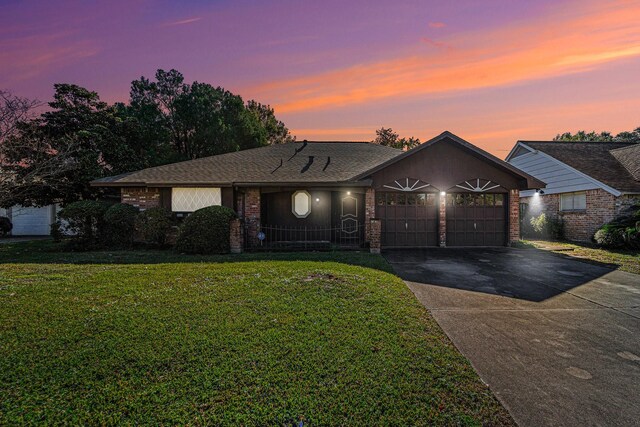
x,y
557,339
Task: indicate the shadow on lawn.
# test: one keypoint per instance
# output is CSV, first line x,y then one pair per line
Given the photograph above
x,y
527,274
49,252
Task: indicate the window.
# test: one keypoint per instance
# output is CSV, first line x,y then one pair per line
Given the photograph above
x,y
573,201
192,199
301,204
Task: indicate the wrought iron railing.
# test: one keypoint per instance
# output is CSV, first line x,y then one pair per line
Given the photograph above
x,y
291,238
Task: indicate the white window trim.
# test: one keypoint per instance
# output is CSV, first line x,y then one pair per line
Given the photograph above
x,y
293,203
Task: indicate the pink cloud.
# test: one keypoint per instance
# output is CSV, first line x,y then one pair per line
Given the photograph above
x,y
437,25
182,22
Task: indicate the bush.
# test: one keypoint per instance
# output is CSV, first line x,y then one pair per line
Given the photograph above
x,y
206,231
5,226
623,231
84,220
549,228
120,222
153,225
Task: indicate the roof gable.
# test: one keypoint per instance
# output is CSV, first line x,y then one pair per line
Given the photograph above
x,y
532,182
595,160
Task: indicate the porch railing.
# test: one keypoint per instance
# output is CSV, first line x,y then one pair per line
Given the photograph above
x,y
293,238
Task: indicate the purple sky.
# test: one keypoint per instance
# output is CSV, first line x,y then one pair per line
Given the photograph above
x,y
491,71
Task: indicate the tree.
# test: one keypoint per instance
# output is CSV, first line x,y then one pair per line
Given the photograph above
x,y
13,111
633,136
387,137
277,132
198,119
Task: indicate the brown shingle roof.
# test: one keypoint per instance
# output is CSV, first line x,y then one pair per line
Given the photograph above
x,y
304,162
595,159
630,159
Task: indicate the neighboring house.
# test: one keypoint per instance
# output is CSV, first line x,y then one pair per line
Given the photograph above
x,y
446,192
588,183
30,221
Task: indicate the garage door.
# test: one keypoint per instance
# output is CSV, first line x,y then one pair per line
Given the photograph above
x,y
408,219
476,219
31,221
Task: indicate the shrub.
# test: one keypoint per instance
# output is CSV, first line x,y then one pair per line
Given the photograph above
x,y
545,227
624,231
56,232
119,222
206,231
5,226
84,220
153,225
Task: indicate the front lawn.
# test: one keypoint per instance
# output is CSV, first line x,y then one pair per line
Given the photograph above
x,y
626,260
224,341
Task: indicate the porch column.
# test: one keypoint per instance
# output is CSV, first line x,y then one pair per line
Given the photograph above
x,y
514,216
442,221
252,214
375,228
236,236
369,212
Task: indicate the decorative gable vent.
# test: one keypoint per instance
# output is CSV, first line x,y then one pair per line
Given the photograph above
x,y
479,186
192,199
407,184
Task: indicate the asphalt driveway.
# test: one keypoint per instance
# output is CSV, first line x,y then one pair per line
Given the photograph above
x,y
557,339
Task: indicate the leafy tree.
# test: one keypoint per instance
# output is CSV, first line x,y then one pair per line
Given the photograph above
x,y
387,137
198,119
277,132
632,136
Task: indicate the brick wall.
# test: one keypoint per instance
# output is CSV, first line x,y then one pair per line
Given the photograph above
x,y
624,202
369,211
514,216
375,231
602,207
251,211
140,197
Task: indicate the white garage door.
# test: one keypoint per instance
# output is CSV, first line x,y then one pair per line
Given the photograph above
x,y
31,221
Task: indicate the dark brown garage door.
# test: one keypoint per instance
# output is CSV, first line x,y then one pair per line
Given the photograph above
x,y
476,219
408,219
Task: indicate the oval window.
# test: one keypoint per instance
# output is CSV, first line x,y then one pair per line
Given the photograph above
x,y
301,204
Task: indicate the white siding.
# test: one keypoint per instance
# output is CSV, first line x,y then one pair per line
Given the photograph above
x,y
559,177
31,221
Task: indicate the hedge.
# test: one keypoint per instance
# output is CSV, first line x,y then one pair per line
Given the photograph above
x,y
153,225
206,231
119,222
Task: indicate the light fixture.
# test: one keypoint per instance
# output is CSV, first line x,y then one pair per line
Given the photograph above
x,y
317,199
443,193
539,191
348,193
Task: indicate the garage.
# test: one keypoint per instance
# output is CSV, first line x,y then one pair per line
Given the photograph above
x,y
474,219
31,221
408,219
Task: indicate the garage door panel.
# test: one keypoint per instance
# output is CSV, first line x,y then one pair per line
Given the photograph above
x,y
31,221
408,219
476,219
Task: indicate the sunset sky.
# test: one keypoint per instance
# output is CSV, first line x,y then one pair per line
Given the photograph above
x,y
490,71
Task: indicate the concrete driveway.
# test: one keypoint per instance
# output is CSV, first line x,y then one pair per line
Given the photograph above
x,y
556,339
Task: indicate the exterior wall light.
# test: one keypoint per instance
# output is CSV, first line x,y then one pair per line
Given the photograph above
x,y
317,200
443,193
348,193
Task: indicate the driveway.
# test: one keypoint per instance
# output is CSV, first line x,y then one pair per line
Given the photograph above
x,y
556,339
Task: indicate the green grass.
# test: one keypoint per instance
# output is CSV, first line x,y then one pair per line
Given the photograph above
x,y
206,341
625,260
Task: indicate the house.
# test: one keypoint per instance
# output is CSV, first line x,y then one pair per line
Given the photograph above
x,y
588,183
445,192
30,220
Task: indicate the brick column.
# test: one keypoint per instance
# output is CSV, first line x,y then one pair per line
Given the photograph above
x,y
375,228
252,214
369,211
514,216
236,236
442,221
